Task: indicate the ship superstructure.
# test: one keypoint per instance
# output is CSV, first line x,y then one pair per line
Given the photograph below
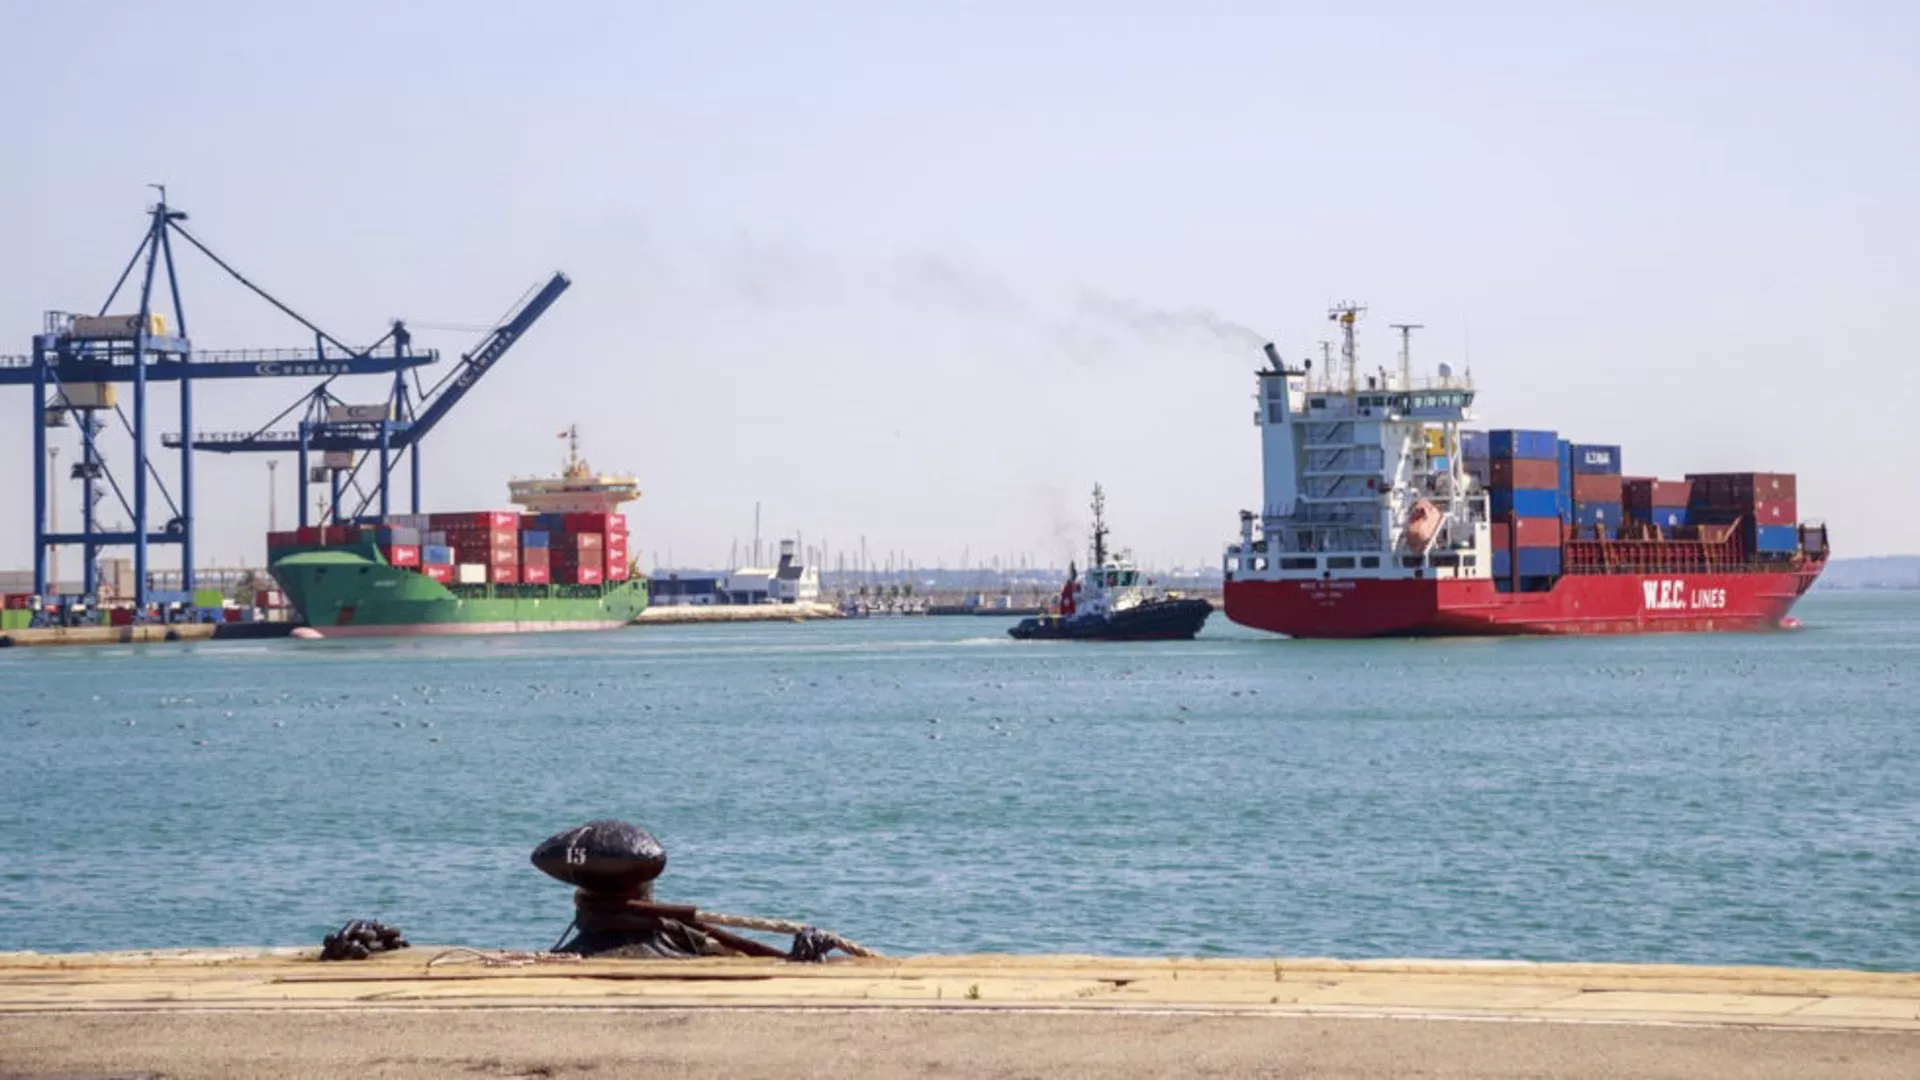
x,y
1381,515
577,490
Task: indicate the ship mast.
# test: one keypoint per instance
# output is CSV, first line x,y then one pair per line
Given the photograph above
x,y
1099,527
1346,313
1406,352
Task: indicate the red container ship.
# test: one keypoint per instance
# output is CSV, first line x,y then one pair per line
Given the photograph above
x,y
1384,516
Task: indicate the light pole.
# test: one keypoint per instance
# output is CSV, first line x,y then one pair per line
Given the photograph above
x,y
53,512
273,504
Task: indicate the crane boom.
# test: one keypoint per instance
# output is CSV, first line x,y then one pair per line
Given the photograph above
x,y
476,364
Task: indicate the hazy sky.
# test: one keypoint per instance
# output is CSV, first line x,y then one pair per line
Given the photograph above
x,y
925,275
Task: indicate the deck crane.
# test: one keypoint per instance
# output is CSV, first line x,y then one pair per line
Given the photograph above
x,y
336,430
75,364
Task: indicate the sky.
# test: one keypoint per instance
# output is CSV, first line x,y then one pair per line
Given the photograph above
x,y
921,275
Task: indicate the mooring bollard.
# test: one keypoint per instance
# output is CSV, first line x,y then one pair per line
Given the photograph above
x,y
612,866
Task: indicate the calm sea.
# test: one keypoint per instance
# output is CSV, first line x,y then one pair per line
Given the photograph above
x,y
930,785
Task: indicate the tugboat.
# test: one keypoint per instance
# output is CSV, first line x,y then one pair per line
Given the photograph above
x,y
1111,602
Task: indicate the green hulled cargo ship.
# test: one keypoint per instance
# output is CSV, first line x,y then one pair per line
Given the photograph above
x,y
353,592
367,580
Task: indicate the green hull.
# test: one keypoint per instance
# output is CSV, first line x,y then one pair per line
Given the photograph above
x,y
353,592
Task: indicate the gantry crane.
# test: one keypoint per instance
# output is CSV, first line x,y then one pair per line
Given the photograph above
x,y
77,360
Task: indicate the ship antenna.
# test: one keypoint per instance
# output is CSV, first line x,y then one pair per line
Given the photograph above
x,y
1099,527
1406,352
1346,313
1326,364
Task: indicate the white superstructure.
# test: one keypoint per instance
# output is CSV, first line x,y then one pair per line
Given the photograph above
x,y
1363,476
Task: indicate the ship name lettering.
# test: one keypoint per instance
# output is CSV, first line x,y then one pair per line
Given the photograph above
x,y
1675,596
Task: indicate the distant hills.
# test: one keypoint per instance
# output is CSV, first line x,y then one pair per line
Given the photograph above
x,y
1873,572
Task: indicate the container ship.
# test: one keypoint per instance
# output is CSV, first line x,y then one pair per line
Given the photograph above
x,y
561,562
1383,515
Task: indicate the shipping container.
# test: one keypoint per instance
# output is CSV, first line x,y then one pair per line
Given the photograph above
x,y
118,327
487,520
1665,517
534,538
436,555
541,556
1532,562
1523,503
618,571
440,572
470,573
1595,459
81,395
1775,539
1589,514
1533,532
504,575
1647,492
402,555
1474,446
1775,512
1596,488
1530,474
1515,443
595,523
277,541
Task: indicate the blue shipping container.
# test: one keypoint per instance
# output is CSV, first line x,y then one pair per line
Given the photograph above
x,y
1534,562
437,555
1523,503
1596,460
1667,517
533,538
1529,445
1474,446
1776,538
1591,514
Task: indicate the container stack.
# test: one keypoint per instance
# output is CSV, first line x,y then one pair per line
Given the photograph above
x,y
1660,503
1476,454
1596,488
489,539
1765,505
1524,504
486,547
536,567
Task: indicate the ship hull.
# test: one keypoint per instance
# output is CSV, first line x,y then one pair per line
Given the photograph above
x,y
1577,604
1161,620
350,593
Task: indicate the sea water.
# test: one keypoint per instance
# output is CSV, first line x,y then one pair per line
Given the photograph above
x,y
928,784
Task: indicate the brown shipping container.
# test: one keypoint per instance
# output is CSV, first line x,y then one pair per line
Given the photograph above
x,y
1596,488
1524,474
1776,511
1534,532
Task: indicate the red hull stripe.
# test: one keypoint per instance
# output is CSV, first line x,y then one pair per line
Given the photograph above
x,y
1578,604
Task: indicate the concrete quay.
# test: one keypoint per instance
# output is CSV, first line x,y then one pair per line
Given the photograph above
x,y
435,1011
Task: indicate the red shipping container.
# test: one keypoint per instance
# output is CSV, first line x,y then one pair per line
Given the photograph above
x,y
504,575
1784,511
1534,532
584,542
535,575
1596,488
536,557
441,574
1522,474
338,534
594,523
310,534
474,519
282,540
618,571
403,555
586,575
1648,493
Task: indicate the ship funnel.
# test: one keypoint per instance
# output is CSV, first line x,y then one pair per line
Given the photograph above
x,y
1273,355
